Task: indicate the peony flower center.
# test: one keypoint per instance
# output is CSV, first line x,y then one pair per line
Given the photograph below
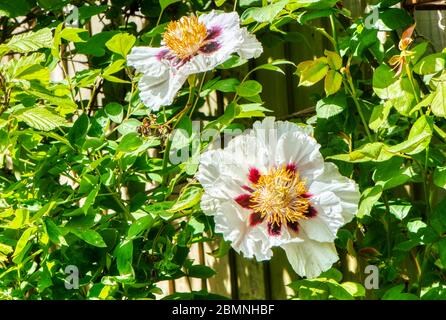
x,y
185,37
281,197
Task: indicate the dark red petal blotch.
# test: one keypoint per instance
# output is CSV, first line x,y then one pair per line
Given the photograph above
x,y
274,229
293,226
312,212
291,167
255,219
254,175
244,200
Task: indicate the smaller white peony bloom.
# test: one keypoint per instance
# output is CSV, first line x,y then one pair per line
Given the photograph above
x,y
190,45
270,187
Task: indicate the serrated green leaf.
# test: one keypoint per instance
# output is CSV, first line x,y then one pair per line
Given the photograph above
x,y
41,118
121,43
31,41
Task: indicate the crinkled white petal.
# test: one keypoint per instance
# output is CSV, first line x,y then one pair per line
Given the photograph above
x,y
223,172
286,142
250,46
344,188
310,258
157,91
223,20
303,151
325,225
147,61
232,221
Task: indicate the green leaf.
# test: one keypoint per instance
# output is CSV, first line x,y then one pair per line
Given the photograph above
x,y
251,110
31,41
226,85
395,293
41,118
13,9
418,51
334,60
440,177
129,126
79,130
263,14
331,106
393,173
22,243
91,198
333,82
249,88
392,19
121,43
188,198
200,271
369,198
86,12
333,274
387,86
376,152
416,226
379,117
419,137
130,142
310,289
54,233
96,44
438,104
115,112
116,66
354,289
442,251
124,257
139,226
74,34
165,3
90,237
400,211
338,291
384,81
312,72
64,104
431,64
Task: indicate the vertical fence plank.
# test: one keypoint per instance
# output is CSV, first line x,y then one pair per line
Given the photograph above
x,y
221,282
251,279
281,275
431,25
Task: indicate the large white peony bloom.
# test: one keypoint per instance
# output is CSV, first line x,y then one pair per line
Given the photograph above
x,y
271,187
190,45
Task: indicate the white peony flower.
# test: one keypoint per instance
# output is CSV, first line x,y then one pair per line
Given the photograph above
x,y
190,45
271,187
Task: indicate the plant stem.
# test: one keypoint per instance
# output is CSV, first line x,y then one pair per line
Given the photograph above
x,y
350,88
412,83
335,34
189,105
156,25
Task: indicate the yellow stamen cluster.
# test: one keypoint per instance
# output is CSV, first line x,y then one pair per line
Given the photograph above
x,y
185,36
278,196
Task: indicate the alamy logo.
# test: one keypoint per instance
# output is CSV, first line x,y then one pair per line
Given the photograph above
x,y
372,279
72,20
72,280
372,19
